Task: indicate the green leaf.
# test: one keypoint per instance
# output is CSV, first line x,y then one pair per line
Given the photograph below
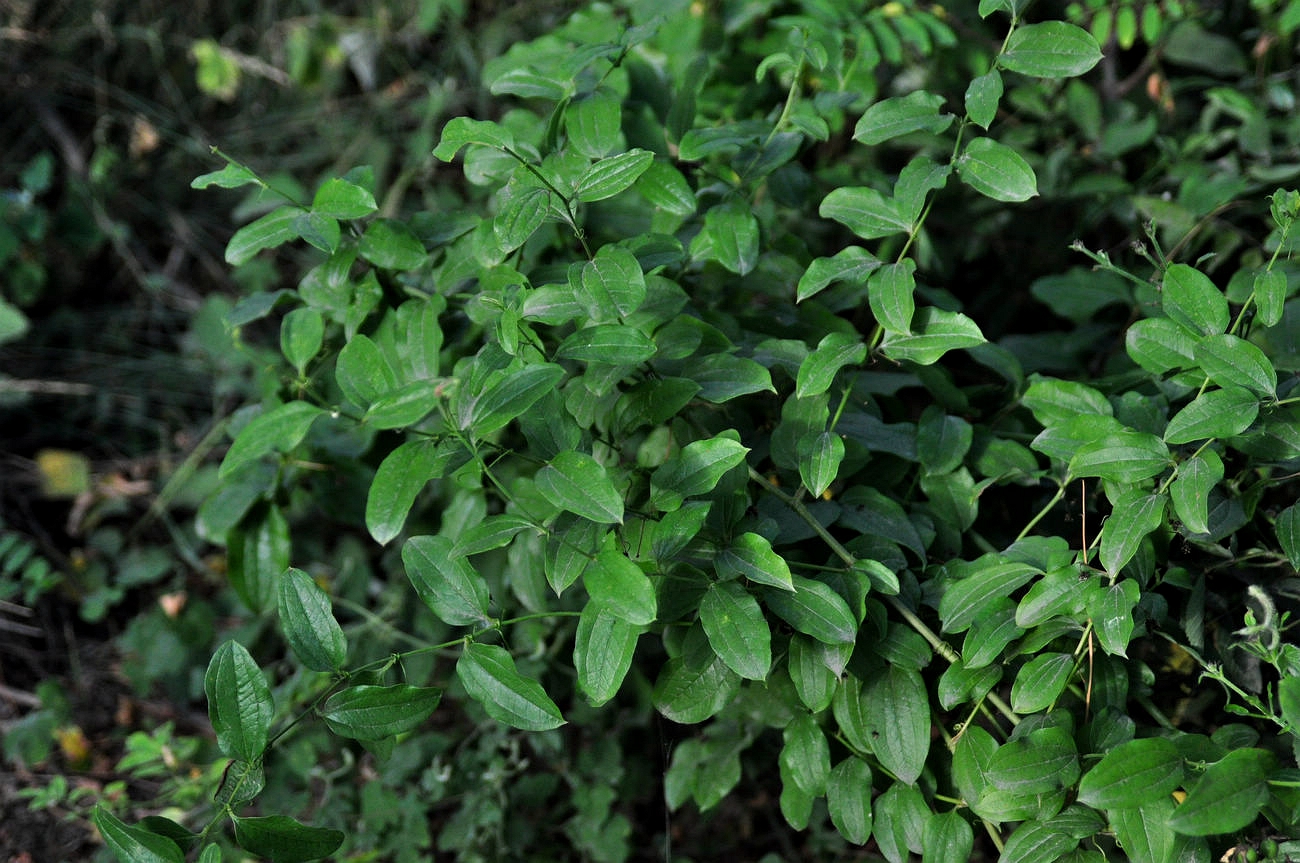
x,y
737,630
664,186
814,681
730,236
1287,528
602,652
963,600
284,840
613,344
520,216
796,804
890,292
948,838
694,685
1055,402
230,177
848,797
1133,773
13,323
942,440
391,245
723,377
489,675
898,721
865,212
1228,796
901,814
1040,762
934,333
608,177
362,372
301,333
1160,345
404,406
997,171
593,122
1111,610
307,619
982,97
507,394
694,471
257,552
274,229
1288,702
239,702
133,844
1270,290
852,264
1231,361
751,556
833,352
320,231
1192,300
1052,49
1123,456
813,608
1190,490
805,755
376,712
461,131
241,782
1216,414
398,481
611,285
1135,514
901,115
619,585
820,456
339,199
1040,682
1144,831
446,582
578,483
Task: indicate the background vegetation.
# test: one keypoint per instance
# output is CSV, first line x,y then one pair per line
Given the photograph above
x,y
785,430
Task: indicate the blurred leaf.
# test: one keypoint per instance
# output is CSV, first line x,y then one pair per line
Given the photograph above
x,y
274,229
284,840
461,131
392,245
278,430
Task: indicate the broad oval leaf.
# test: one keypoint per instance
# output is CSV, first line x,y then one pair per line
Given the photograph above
x,y
307,619
376,712
934,333
392,245
279,430
339,199
1136,514
963,600
848,797
284,840
691,691
489,675
730,236
948,838
851,264
694,471
820,456
1228,796
607,177
833,352
890,292
865,212
1041,762
301,333
239,702
1190,490
902,115
135,844
1192,300
274,229
737,630
1132,774
461,131
578,483
751,556
1232,361
1040,682
997,171
521,215
445,581
1160,345
602,652
813,608
1123,456
1216,414
1270,291
612,344
982,97
1052,49
399,479
621,586
898,720
664,186
508,394
1037,841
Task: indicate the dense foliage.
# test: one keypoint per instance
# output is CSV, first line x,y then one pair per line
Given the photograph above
x,y
882,413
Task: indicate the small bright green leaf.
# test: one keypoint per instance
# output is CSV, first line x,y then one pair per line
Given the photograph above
x,y
890,291
391,245
1287,528
813,608
461,131
1270,292
1232,361
376,712
901,115
320,231
1228,796
737,630
664,186
752,557
362,372
602,652
521,215
918,178
281,839
401,476
274,229
489,675
446,582
1215,414
948,838
1288,701
339,199
230,177
1133,773
1052,49
964,600
307,619
934,333
851,264
1135,514
805,755
507,394
301,333
865,212
134,844
577,482
1160,345
1123,456
997,171
820,456
621,586
239,702
1190,490
1040,682
612,344
848,797
613,175
694,471
898,719
982,97
1192,300
833,352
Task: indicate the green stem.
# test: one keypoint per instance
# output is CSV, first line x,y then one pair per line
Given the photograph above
x,y
1056,498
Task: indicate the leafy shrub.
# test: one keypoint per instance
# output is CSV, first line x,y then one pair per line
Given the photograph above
x,y
644,426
